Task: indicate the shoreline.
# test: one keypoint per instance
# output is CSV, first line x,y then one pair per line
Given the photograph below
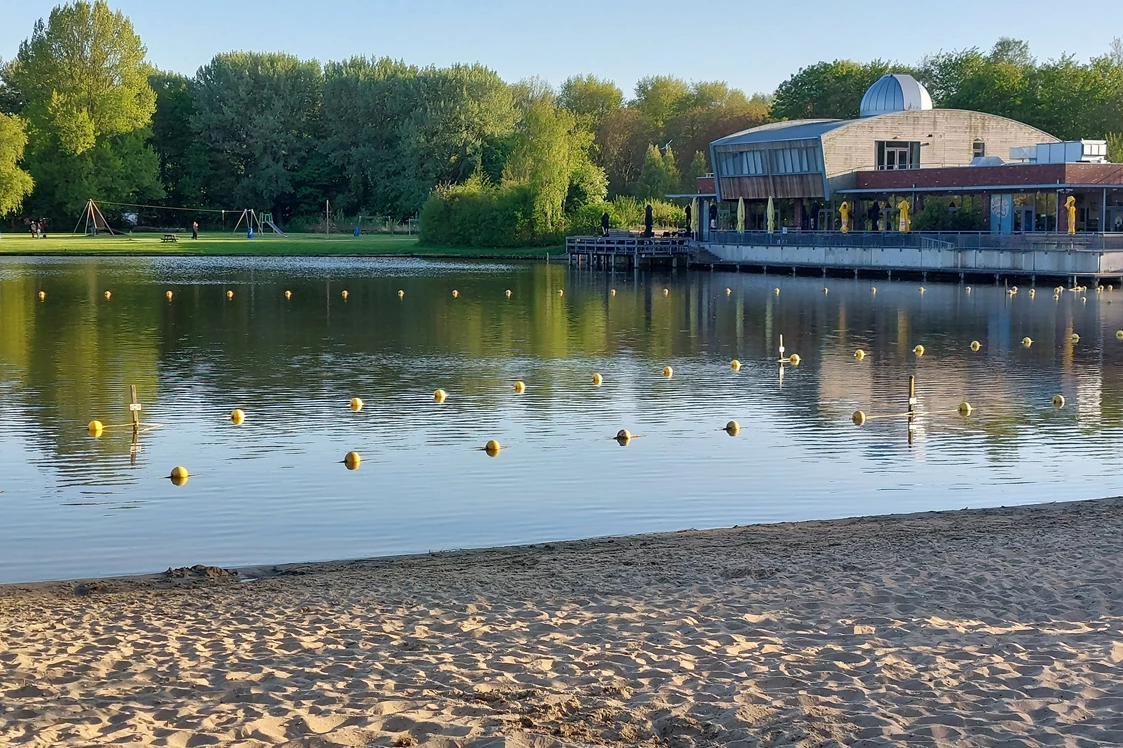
x,y
972,627
190,576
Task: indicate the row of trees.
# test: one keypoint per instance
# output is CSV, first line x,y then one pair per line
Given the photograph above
x,y
83,114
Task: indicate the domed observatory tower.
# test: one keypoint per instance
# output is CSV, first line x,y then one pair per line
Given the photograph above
x,y
895,92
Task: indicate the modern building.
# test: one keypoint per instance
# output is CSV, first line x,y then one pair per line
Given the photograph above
x,y
993,173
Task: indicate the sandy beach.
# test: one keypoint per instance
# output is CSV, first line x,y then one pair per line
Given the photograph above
x,y
994,627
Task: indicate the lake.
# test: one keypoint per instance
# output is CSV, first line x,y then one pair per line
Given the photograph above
x,y
274,489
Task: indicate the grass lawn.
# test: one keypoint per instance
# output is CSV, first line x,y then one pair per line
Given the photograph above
x,y
263,245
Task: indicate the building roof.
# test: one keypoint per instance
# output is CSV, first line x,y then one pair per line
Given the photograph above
x,y
895,92
800,129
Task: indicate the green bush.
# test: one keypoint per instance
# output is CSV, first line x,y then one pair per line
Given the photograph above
x,y
935,216
477,214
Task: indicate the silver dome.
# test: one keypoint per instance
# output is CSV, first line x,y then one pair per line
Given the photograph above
x,y
895,92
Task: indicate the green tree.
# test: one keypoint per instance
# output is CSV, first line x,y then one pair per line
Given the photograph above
x,y
659,176
622,140
15,183
660,96
82,83
699,167
1115,147
826,90
183,159
552,158
460,116
590,98
257,116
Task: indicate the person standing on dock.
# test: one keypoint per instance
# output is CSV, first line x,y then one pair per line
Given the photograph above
x,y
604,222
194,229
689,224
649,222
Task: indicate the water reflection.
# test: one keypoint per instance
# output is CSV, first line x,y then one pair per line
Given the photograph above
x,y
274,488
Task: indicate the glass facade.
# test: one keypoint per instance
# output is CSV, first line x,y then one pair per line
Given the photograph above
x,y
759,162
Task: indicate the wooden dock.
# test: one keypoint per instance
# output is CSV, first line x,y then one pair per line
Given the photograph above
x,y
628,250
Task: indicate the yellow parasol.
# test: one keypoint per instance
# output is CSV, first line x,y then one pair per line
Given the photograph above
x,y
844,212
771,217
906,222
1070,205
694,216
741,214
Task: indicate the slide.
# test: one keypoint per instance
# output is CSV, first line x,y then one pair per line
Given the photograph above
x,y
275,228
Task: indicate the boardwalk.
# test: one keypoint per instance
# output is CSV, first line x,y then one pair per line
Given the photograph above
x,y
628,250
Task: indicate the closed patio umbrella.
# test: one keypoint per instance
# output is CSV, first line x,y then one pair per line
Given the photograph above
x,y
771,217
694,217
741,214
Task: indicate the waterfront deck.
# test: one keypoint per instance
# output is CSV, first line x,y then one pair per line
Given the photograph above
x,y
628,250
1090,256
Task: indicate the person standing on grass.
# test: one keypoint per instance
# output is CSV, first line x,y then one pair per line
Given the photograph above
x,y
42,228
194,229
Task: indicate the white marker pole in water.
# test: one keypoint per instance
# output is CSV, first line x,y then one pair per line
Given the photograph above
x,y
781,346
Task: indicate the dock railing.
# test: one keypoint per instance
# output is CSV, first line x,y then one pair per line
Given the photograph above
x,y
630,244
950,240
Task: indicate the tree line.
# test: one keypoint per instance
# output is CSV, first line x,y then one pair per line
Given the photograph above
x,y
482,161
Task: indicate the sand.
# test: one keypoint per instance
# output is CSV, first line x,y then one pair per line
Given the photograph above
x,y
998,627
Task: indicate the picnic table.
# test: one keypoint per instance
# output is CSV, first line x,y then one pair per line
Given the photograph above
x,y
169,238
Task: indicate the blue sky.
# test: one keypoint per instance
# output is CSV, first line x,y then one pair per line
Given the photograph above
x,y
751,45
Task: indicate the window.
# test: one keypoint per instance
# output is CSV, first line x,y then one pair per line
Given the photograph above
x,y
978,149
797,160
897,154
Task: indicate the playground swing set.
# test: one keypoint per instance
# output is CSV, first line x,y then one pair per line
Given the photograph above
x,y
92,221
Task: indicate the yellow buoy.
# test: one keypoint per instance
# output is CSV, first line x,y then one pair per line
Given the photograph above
x,y
520,387
729,292
826,290
668,372
623,435
735,365
345,295
42,296
1119,334
1083,299
455,294
1075,338
968,289
733,428
229,295
666,292
965,409
922,289
859,418
1032,292
561,292
108,295
919,350
237,416
288,294
508,293
975,346
402,294
96,428
493,448
1056,297
873,290
794,359
357,404
353,460
777,292
169,295
598,380
180,474
440,396
859,354
1059,401
612,292
1027,341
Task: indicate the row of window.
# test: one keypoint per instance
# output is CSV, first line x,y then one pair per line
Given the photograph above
x,y
890,155
758,163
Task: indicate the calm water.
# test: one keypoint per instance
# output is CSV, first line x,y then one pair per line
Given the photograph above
x,y
274,489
